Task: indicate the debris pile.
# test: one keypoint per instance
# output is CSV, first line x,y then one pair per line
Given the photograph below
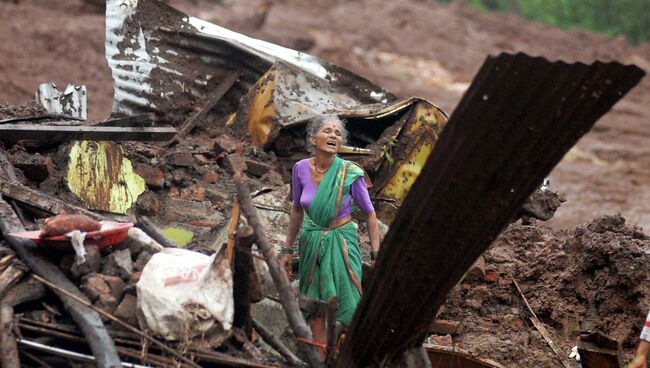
x,y
591,278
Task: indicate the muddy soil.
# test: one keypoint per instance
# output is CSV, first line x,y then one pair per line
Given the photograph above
x,y
591,278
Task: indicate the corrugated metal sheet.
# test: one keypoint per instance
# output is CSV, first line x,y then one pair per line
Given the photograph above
x,y
518,118
163,59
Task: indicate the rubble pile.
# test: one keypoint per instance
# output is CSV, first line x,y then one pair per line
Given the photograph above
x,y
591,278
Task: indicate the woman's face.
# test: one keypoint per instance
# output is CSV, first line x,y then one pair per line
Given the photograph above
x,y
329,137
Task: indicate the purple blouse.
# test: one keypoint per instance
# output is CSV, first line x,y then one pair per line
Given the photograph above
x,y
304,190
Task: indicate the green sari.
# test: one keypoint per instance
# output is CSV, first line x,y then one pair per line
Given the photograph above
x,y
330,260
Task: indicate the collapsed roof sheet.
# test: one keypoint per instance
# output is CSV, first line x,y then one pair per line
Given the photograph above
x,y
161,59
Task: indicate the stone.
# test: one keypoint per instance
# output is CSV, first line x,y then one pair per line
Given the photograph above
x,y
257,168
94,286
127,310
445,340
182,159
106,302
216,197
181,177
226,144
115,284
234,162
154,177
444,327
147,204
93,262
201,159
36,167
193,193
142,260
174,193
477,270
210,176
119,264
490,276
182,211
273,179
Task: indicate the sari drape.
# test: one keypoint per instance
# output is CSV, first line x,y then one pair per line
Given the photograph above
x,y
330,259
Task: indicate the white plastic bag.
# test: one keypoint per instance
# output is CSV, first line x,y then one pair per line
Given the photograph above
x,y
182,294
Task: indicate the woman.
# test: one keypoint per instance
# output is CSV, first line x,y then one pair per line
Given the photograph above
x,y
323,188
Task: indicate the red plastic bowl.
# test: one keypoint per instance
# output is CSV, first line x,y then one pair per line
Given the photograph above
x,y
110,234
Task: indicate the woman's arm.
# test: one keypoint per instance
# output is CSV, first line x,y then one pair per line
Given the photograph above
x,y
373,231
295,220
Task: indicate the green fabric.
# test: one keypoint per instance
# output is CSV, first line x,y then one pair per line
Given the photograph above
x,y
331,277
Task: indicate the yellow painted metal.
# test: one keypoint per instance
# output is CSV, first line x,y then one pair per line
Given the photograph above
x,y
102,177
262,108
415,143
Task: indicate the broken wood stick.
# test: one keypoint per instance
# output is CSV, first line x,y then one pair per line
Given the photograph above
x,y
119,321
211,102
88,320
243,267
8,347
540,327
58,133
152,230
287,294
232,230
276,344
27,291
11,176
330,359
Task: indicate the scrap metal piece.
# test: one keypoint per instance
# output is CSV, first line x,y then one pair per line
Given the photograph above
x,y
102,177
598,350
73,101
58,133
167,62
513,125
445,357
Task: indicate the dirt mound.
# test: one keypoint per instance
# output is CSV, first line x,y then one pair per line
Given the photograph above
x,y
8,111
592,278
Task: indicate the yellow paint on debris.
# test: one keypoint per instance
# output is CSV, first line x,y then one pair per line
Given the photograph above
x,y
262,109
180,237
102,178
423,128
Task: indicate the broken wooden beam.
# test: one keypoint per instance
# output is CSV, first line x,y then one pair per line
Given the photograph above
x,y
211,101
8,347
58,133
88,320
242,269
513,125
276,344
288,297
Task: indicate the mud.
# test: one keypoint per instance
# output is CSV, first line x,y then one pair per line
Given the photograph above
x,y
591,278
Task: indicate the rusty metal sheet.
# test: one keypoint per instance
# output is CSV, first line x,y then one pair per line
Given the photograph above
x,y
73,101
163,60
518,118
442,357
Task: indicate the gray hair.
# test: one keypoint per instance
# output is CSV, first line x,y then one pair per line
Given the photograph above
x,y
317,122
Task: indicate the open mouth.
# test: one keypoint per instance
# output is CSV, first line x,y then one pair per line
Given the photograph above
x,y
331,143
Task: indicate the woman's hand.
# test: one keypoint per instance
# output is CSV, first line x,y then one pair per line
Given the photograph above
x,y
286,262
638,362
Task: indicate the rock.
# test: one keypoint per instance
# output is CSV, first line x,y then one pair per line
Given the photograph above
x,y
490,276
93,262
182,159
477,270
193,193
142,260
94,286
210,176
115,284
127,310
273,179
147,204
445,340
257,168
181,177
201,159
154,177
182,211
36,167
444,327
234,162
119,264
106,302
174,193
225,144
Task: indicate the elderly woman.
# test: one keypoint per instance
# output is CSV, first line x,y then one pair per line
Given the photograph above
x,y
324,187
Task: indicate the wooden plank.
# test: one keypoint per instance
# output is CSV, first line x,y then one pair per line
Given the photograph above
x,y
513,125
211,102
16,132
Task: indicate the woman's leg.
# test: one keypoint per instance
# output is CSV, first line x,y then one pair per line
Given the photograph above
x,y
319,332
